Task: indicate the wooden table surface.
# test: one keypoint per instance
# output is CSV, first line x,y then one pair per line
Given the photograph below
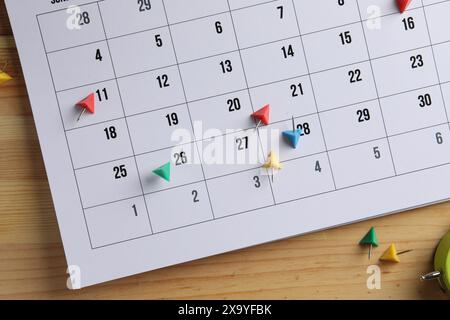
x,y
326,264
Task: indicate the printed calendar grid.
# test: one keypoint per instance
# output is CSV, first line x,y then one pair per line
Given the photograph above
x,y
125,117
245,48
187,107
435,63
248,89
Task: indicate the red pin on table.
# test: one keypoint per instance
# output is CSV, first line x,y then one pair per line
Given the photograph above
x,y
262,116
403,5
87,104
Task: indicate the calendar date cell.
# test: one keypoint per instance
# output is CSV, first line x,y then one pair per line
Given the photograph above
x,y
265,23
182,10
185,167
413,110
117,222
421,149
204,37
73,27
354,124
151,90
121,17
411,27
311,139
141,52
310,176
335,47
213,76
241,192
274,62
108,182
344,86
231,153
213,117
287,98
437,18
160,129
179,207
107,101
406,71
325,14
362,163
375,8
81,66
441,54
99,143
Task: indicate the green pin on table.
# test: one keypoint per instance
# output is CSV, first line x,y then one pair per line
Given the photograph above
x,y
441,264
370,239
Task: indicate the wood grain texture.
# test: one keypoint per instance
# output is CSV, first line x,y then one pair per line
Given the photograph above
x,y
326,264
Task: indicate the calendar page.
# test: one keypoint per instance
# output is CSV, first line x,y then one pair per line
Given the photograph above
x,y
174,130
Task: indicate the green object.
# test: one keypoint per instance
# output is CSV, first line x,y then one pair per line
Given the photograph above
x,y
163,172
370,238
442,262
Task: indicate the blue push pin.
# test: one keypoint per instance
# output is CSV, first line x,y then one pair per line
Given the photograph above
x,y
293,136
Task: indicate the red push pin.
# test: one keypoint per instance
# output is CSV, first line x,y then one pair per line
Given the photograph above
x,y
262,115
87,104
403,5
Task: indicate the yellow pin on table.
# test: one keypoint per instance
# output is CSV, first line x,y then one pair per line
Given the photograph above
x,y
4,77
392,255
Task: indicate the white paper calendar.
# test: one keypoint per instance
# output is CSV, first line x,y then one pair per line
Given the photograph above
x,y
169,166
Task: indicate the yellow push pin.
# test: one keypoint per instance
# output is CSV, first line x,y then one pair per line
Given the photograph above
x,y
441,264
273,163
4,77
391,254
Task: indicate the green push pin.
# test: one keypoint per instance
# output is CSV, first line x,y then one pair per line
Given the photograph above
x,y
441,264
370,239
163,172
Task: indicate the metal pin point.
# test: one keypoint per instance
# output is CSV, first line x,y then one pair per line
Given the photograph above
x,y
4,66
404,251
431,276
258,125
81,114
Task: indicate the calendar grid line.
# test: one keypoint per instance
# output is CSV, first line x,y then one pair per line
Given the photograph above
x,y
290,201
248,90
187,106
259,85
376,89
435,65
274,122
126,121
247,48
314,94
64,9
225,12
65,136
249,95
252,128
